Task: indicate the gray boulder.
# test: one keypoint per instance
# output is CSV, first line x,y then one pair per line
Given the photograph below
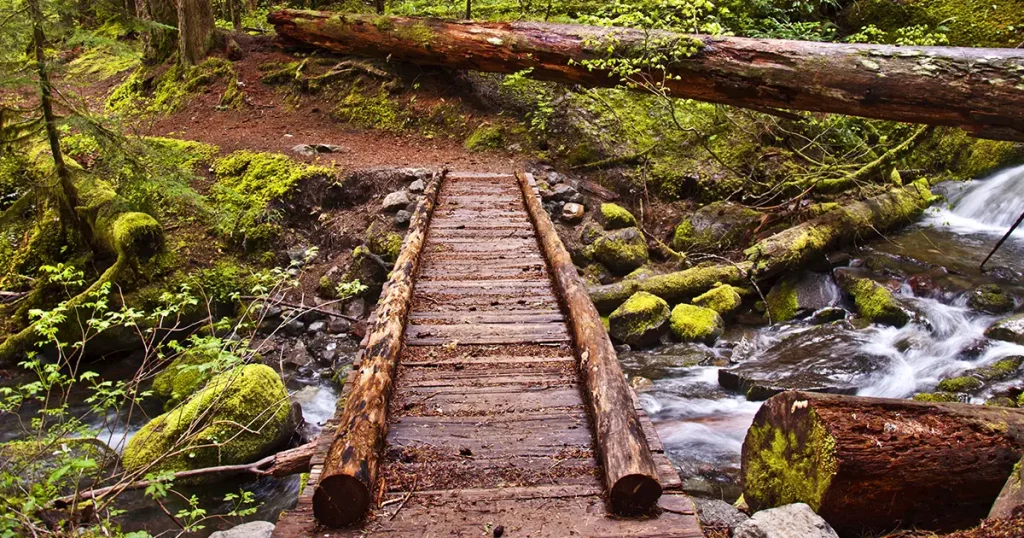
x,y
417,186
252,529
395,201
790,521
621,251
801,294
718,513
1010,329
717,226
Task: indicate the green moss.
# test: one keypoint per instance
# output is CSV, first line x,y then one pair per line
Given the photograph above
x,y
684,236
876,304
782,302
183,377
303,481
960,384
614,217
387,245
640,320
691,323
187,153
419,33
970,23
683,285
240,416
723,298
1001,401
991,299
937,397
621,251
1001,369
785,469
372,110
486,136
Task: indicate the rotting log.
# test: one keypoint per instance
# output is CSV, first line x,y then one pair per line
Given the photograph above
x,y
347,483
673,287
870,465
976,89
630,473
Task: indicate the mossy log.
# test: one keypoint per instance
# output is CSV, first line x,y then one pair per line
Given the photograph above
x,y
870,465
973,88
115,229
347,485
673,287
626,461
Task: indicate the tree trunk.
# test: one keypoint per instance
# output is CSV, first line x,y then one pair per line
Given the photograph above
x,y
159,40
972,88
347,483
870,465
629,470
65,194
195,30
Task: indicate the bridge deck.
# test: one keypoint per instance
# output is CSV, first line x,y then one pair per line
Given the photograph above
x,y
488,427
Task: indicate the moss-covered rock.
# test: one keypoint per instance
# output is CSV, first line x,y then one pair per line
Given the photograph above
x,y
1009,329
485,136
723,298
937,397
1000,370
799,294
640,321
877,304
614,217
717,226
691,323
597,274
184,376
239,417
621,251
964,383
990,299
382,242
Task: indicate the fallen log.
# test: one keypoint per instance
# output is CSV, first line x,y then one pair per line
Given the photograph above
x,y
973,88
629,470
785,251
871,465
347,483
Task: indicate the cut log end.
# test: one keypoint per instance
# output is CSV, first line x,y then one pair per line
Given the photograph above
x,y
635,494
340,500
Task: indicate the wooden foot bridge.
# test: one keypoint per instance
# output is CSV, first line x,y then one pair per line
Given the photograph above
x,y
487,399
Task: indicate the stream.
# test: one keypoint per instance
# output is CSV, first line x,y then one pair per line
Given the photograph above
x,y
703,425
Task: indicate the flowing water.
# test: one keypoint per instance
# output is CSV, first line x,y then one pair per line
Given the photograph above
x,y
703,425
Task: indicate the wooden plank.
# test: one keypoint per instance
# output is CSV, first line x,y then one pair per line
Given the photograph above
x,y
542,332
440,318
523,375
511,435
470,472
496,360
488,401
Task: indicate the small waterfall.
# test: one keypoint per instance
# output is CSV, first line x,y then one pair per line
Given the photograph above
x,y
989,205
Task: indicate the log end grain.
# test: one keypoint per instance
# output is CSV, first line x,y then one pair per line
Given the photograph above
x,y
340,500
635,494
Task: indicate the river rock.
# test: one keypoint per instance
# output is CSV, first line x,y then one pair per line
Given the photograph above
x,y
395,201
718,513
563,193
572,212
614,217
691,323
417,187
990,299
826,358
239,417
252,529
800,294
790,521
723,298
1009,329
621,251
402,218
1011,496
717,226
874,302
640,321
296,356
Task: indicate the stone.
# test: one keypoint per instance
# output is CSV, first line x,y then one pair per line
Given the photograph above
x,y
718,513
563,193
790,521
395,201
572,213
294,327
252,529
640,321
1011,496
554,178
825,358
717,226
356,308
723,298
596,274
337,325
1009,329
874,302
417,186
324,349
640,383
590,233
313,149
316,327
800,294
691,323
183,377
614,217
403,218
296,356
621,251
828,315
990,299
923,285
299,256
240,416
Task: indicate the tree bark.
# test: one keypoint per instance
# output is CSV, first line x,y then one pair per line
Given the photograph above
x,y
870,465
158,40
973,88
347,484
195,30
629,470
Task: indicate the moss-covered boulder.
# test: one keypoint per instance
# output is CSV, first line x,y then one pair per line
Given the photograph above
x,y
691,323
621,251
717,226
964,383
800,294
1009,329
874,302
990,299
615,217
383,241
640,321
937,397
241,415
183,377
723,298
